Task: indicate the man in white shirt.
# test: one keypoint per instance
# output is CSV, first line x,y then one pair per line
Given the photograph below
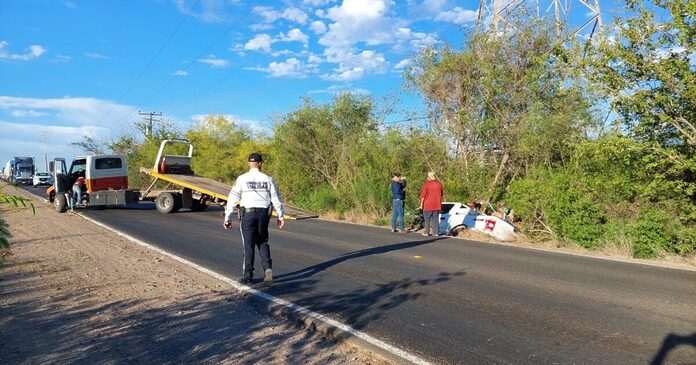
x,y
255,192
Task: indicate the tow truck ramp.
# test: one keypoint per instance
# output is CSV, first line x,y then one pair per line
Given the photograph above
x,y
196,191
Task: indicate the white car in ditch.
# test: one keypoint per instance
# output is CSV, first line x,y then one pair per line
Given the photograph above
x,y
456,217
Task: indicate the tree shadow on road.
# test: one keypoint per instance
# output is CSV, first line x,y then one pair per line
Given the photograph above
x,y
671,343
314,269
74,327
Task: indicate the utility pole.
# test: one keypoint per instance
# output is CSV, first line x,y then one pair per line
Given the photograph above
x,y
148,118
43,140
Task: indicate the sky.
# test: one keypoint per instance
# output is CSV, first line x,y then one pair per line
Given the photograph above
x,y
73,68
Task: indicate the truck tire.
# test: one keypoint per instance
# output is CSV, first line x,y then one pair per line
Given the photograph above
x,y
168,203
60,203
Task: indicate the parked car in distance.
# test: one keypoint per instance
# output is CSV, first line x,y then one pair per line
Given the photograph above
x,y
42,178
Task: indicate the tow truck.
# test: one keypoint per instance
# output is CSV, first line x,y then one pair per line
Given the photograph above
x,y
106,182
106,179
184,189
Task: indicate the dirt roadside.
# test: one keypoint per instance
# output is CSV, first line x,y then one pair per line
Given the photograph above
x,y
73,292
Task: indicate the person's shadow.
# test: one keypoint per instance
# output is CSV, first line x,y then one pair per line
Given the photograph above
x,y
671,342
314,269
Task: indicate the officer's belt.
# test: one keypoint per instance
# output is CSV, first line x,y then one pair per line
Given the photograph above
x,y
250,210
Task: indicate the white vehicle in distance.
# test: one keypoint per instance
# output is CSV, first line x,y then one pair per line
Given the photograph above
x,y
456,217
42,178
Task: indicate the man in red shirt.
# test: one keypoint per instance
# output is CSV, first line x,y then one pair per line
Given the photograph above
x,y
431,203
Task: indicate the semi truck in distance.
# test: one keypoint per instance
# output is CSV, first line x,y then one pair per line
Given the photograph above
x,y
19,170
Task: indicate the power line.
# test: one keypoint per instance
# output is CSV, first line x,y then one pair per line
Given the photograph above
x,y
411,119
152,60
174,77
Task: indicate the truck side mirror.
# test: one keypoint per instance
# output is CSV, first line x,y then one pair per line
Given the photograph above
x,y
51,166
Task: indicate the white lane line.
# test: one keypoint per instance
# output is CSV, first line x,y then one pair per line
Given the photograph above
x,y
251,291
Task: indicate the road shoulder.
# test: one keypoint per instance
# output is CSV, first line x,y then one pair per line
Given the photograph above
x,y
75,292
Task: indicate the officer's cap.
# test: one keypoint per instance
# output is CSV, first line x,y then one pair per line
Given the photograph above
x,y
255,157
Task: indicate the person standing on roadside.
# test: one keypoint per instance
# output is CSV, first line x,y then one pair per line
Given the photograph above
x,y
398,186
76,195
431,203
256,193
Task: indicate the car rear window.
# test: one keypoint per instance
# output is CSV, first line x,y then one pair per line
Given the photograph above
x,y
108,163
447,207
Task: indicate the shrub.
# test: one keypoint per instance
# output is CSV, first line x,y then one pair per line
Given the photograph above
x,y
553,203
657,231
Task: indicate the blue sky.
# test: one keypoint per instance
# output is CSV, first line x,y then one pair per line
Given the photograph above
x,y
75,67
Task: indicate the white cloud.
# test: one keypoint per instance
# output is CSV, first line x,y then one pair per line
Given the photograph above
x,y
34,51
59,58
256,126
318,27
291,68
258,27
316,2
211,11
457,16
63,121
70,110
357,21
294,35
22,113
355,66
355,24
314,59
180,73
214,61
403,64
96,56
407,40
270,14
262,42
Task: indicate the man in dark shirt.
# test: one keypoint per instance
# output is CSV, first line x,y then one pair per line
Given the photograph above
x,y
398,185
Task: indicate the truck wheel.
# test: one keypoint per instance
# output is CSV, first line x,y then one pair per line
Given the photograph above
x,y
167,203
60,203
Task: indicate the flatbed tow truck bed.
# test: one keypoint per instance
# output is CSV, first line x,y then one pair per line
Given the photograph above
x,y
214,189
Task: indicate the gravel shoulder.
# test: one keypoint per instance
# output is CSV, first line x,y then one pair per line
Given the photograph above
x,y
74,292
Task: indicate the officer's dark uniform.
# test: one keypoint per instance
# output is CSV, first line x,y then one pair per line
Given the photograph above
x,y
256,193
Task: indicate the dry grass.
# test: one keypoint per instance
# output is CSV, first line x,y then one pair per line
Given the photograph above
x,y
620,247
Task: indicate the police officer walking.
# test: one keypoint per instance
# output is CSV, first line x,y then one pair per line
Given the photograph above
x,y
255,192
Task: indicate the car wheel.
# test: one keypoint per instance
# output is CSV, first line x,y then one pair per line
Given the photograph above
x,y
457,230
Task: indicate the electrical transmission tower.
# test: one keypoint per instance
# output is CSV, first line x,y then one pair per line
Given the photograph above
x,y
571,17
148,119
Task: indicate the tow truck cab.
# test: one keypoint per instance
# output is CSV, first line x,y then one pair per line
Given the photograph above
x,y
106,181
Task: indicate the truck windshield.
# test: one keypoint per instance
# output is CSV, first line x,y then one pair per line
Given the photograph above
x,y
78,165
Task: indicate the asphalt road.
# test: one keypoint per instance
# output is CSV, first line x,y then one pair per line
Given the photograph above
x,y
450,300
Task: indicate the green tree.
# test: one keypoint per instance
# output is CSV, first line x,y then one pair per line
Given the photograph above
x,y
502,97
320,144
648,69
221,147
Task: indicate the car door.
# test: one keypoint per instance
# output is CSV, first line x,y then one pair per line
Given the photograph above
x,y
61,179
444,217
